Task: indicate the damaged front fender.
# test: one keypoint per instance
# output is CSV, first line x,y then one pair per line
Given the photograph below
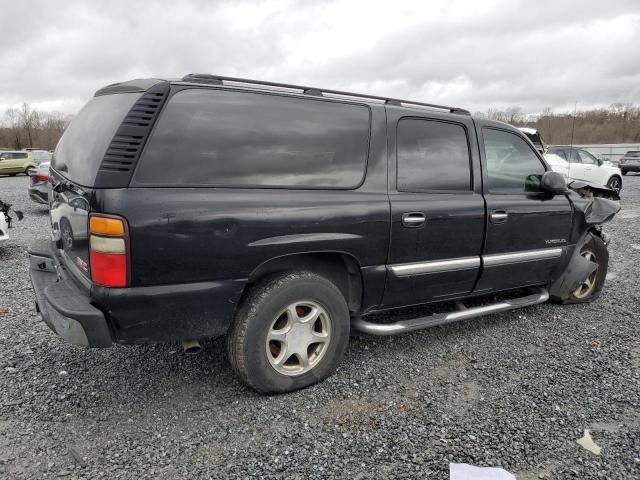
x,y
593,205
596,203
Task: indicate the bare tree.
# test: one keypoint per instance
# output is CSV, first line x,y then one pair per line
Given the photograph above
x,y
29,119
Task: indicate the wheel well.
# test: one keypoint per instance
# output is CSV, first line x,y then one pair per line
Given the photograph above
x,y
342,269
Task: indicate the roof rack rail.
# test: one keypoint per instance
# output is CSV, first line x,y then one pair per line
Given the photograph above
x,y
219,80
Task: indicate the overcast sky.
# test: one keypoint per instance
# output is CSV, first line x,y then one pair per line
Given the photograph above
x,y
473,54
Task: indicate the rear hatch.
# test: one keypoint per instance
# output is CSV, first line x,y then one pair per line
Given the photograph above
x,y
74,168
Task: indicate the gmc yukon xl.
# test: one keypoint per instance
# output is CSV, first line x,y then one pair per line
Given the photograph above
x,y
284,216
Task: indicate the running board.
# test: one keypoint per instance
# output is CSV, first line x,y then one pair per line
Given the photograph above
x,y
358,323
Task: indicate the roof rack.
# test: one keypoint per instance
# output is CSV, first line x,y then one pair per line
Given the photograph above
x,y
219,80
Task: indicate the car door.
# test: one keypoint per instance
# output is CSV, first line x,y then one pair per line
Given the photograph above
x,y
591,166
437,209
527,229
13,162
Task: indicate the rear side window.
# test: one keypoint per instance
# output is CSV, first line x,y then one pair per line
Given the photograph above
x,y
512,165
14,155
432,156
242,139
85,141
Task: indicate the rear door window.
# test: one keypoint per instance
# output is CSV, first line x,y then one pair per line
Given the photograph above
x,y
433,156
86,139
228,138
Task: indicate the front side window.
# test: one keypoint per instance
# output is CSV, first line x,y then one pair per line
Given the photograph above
x,y
512,166
586,158
432,156
228,138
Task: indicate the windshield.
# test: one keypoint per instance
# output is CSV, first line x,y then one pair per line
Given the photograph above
x,y
85,141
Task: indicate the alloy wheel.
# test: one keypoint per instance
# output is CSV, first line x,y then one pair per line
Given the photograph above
x,y
298,338
587,287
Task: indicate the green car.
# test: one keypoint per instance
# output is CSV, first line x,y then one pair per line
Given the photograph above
x,y
17,161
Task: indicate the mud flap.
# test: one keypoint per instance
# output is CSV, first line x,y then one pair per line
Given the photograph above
x,y
577,271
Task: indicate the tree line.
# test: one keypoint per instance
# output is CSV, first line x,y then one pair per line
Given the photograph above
x,y
619,123
28,127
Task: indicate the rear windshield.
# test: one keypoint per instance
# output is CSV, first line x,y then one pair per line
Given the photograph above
x,y
85,141
240,139
632,154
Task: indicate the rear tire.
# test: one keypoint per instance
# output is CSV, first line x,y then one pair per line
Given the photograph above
x,y
596,251
624,172
291,331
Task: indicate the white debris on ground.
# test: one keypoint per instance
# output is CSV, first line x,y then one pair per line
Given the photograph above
x,y
587,443
464,471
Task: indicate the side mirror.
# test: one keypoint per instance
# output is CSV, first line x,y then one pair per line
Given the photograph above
x,y
553,183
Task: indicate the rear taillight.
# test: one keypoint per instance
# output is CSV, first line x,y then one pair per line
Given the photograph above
x,y
40,177
108,250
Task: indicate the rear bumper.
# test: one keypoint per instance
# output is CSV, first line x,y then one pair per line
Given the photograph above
x,y
39,194
630,168
63,305
98,316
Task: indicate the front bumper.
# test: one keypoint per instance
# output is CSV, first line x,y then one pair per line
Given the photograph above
x,y
62,304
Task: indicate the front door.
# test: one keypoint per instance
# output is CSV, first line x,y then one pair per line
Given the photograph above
x,y
591,166
527,229
437,209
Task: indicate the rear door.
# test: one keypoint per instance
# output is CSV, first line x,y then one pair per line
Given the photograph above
x,y
13,162
437,209
527,229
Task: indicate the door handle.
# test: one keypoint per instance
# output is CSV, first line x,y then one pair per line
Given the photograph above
x,y
413,219
499,216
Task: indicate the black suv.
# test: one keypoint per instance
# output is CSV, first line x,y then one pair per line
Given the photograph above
x,y
630,162
282,216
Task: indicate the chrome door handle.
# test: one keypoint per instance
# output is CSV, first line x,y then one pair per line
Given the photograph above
x,y
413,219
499,217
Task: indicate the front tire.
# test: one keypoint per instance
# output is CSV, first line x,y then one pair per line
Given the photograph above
x,y
615,184
595,251
291,331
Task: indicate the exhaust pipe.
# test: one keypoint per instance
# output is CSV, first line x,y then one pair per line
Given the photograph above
x,y
191,347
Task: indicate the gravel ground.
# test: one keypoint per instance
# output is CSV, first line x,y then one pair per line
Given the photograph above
x,y
513,390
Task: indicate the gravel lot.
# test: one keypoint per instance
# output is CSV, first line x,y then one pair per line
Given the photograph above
x,y
513,390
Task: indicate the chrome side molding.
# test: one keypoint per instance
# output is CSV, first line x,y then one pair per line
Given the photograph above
x,y
435,266
360,324
464,263
518,257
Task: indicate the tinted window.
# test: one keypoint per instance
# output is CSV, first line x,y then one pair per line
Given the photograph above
x,y
432,156
14,155
632,154
561,153
512,166
85,141
226,138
